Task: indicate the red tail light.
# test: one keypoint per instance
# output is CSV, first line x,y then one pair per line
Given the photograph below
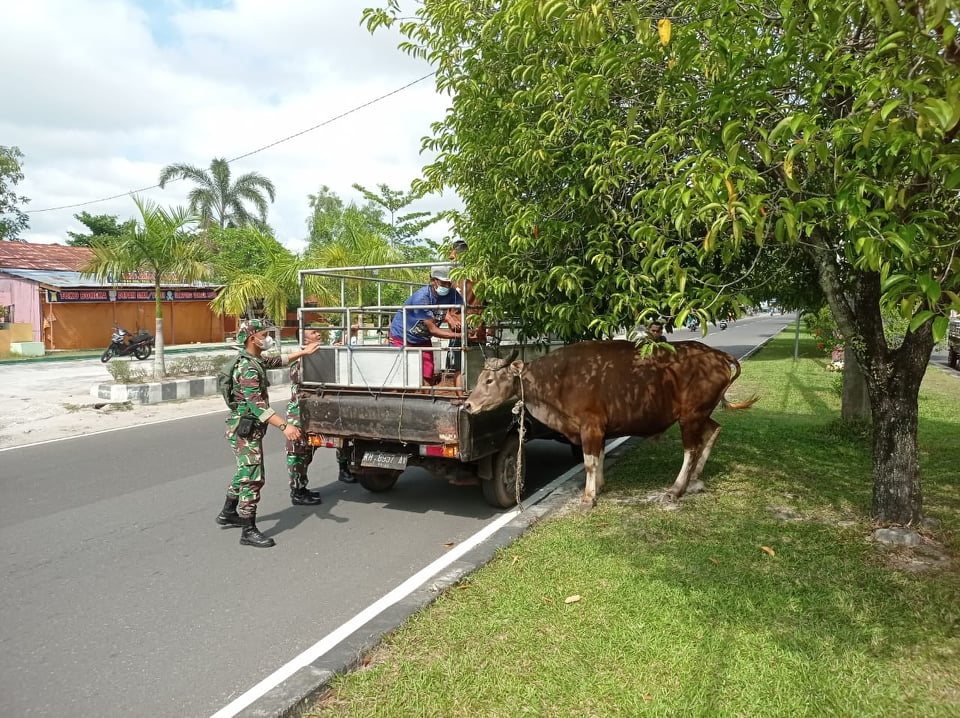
x,y
447,451
320,440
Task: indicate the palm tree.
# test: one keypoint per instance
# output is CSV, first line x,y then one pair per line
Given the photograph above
x,y
218,201
159,244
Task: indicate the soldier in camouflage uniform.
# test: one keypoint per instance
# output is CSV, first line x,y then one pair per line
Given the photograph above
x,y
252,400
299,452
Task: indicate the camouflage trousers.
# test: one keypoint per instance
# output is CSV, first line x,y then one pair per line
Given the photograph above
x,y
250,477
299,457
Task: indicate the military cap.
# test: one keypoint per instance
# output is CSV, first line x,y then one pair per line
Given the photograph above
x,y
249,327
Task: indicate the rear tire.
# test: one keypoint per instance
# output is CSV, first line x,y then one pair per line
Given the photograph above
x,y
142,352
378,481
107,355
953,359
501,490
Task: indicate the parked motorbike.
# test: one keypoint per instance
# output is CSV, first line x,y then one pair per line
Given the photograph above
x,y
723,324
123,343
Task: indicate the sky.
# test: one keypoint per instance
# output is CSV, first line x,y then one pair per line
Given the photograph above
x,y
99,95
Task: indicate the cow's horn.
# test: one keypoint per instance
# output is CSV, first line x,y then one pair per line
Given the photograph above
x,y
497,363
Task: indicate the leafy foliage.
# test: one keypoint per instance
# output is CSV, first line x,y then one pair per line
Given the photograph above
x,y
602,165
13,219
623,159
402,229
99,226
265,285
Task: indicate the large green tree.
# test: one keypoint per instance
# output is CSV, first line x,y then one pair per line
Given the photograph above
x,y
218,199
160,244
350,236
259,274
270,283
99,226
609,152
331,221
13,219
250,249
403,229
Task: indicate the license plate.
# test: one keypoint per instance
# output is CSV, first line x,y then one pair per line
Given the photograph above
x,y
383,460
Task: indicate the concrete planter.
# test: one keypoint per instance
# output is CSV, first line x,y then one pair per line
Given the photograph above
x,y
172,389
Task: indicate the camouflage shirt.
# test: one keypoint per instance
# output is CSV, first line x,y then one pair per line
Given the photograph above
x,y
252,397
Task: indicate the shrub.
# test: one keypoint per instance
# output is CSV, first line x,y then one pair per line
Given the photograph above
x,y
123,372
196,365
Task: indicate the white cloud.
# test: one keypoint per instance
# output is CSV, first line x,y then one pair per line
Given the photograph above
x,y
107,92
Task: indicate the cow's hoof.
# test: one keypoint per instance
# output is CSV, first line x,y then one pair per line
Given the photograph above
x,y
587,504
696,487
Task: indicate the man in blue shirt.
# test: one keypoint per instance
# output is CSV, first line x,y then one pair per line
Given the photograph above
x,y
422,325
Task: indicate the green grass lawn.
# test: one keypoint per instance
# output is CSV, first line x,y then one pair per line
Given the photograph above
x,y
764,596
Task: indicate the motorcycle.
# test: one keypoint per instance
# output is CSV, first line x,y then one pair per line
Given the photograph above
x,y
123,343
723,324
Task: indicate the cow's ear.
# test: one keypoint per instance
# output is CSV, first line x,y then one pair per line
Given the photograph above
x,y
516,367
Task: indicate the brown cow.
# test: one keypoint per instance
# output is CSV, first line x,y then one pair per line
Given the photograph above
x,y
593,391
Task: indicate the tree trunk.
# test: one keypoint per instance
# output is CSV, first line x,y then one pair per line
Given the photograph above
x,y
894,395
855,403
893,381
897,496
159,368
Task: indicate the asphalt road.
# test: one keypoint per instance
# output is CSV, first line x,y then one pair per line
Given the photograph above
x,y
119,595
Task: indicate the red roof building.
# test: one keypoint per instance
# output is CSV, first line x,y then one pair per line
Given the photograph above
x,y
42,285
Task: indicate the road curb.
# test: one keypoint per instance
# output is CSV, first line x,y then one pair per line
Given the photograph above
x,y
173,389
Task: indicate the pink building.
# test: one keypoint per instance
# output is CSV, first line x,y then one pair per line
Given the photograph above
x,y
42,287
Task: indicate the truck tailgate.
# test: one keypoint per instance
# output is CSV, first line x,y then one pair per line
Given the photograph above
x,y
405,418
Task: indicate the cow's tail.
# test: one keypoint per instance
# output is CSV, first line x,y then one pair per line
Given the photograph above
x,y
736,406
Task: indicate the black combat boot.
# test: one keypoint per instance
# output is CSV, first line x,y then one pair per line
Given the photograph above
x,y
304,497
345,476
228,517
251,535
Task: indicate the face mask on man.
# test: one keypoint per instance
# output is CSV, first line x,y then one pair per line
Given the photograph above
x,y
442,291
266,343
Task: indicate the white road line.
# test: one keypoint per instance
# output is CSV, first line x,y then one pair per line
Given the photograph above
x,y
333,638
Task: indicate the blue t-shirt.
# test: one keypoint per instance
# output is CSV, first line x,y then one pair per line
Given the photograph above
x,y
417,333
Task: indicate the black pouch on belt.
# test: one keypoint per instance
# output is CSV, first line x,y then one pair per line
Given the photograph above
x,y
246,427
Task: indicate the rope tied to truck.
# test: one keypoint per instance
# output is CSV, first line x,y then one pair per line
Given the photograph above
x,y
519,409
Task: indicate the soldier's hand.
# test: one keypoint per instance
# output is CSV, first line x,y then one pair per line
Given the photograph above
x,y
291,432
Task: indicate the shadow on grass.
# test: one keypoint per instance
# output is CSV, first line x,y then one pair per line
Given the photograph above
x,y
827,592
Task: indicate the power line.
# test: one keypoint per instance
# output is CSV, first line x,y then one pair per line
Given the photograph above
x,y
246,154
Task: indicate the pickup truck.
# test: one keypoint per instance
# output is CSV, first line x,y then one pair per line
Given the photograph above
x,y
953,343
367,398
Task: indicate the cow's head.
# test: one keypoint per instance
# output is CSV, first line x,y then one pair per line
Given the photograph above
x,y
496,384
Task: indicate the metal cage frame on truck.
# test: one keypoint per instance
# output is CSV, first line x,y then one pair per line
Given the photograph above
x,y
367,399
